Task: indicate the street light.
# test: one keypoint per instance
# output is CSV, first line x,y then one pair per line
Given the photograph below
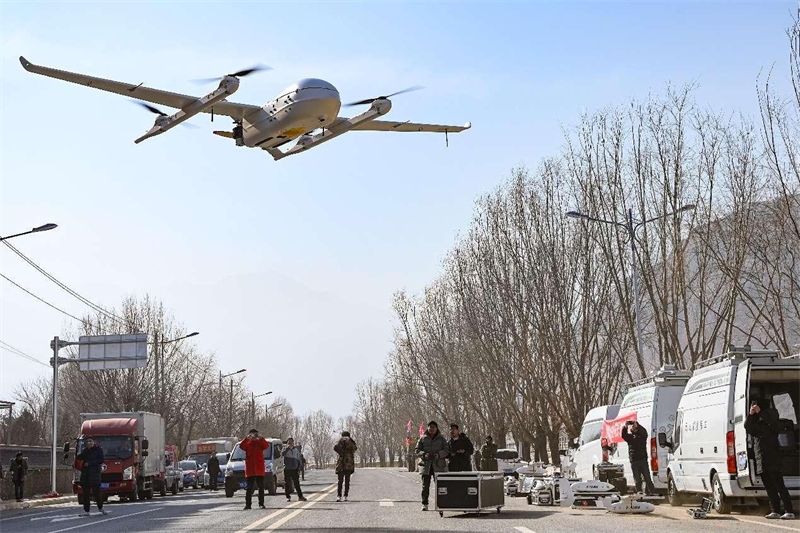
x,y
158,347
230,405
268,407
631,228
253,404
46,227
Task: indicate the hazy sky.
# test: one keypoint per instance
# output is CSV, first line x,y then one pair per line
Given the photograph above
x,y
288,268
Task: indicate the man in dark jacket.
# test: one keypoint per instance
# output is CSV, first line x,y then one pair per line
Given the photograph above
x,y
489,455
213,471
92,458
292,462
461,450
433,450
346,464
19,470
636,437
762,424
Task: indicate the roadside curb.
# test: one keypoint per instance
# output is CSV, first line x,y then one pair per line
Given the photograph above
x,y
39,502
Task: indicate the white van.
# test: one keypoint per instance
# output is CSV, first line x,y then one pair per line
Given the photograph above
x,y
587,450
654,400
710,452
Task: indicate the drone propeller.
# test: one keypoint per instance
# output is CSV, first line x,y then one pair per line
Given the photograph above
x,y
160,113
239,74
370,100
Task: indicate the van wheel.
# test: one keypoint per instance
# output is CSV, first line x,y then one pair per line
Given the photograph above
x,y
673,496
272,486
722,504
228,492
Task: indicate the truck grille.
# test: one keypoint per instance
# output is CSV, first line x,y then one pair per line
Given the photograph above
x,y
106,478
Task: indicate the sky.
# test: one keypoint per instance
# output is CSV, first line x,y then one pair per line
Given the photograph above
x,y
288,268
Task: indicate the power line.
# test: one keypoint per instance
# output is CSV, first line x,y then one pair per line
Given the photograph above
x,y
38,298
7,347
73,293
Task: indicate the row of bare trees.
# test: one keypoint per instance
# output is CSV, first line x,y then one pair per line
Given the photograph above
x,y
532,320
180,383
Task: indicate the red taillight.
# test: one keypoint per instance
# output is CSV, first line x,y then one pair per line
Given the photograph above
x,y
731,450
653,456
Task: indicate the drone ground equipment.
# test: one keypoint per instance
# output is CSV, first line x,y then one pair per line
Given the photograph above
x,y
300,111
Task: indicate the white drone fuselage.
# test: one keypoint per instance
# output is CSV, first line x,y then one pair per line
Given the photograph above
x,y
301,108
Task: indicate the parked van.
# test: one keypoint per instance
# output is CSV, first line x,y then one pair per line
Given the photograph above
x,y
273,465
710,451
587,449
653,402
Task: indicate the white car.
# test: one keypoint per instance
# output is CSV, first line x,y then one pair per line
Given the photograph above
x,y
710,451
653,402
508,461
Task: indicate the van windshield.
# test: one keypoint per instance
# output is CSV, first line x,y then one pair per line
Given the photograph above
x,y
507,454
591,430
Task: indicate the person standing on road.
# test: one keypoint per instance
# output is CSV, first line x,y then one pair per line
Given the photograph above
x,y
19,471
346,464
292,461
92,458
213,472
254,470
433,450
489,455
461,450
762,424
636,437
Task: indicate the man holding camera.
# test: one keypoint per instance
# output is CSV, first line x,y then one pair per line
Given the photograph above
x,y
433,450
636,437
254,470
762,424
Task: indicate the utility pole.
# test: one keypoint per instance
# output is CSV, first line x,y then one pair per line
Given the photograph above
x,y
54,451
158,382
230,412
635,268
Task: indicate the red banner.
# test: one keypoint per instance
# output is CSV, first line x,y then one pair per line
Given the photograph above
x,y
612,429
206,448
421,430
408,427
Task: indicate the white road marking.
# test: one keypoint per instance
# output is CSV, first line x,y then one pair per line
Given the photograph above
x,y
61,508
386,503
523,529
288,517
765,524
93,522
279,512
71,515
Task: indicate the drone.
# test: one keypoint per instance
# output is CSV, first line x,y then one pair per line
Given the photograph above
x,y
306,112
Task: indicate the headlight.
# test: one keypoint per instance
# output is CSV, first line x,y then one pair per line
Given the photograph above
x,y
127,473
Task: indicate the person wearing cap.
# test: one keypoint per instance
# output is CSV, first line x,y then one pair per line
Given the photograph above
x,y
254,445
433,450
489,455
461,450
19,471
346,464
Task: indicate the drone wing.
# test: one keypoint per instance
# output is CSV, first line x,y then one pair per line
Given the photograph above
x,y
386,125
140,92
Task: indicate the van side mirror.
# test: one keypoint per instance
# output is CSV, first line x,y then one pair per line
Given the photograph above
x,y
145,444
228,455
663,442
145,453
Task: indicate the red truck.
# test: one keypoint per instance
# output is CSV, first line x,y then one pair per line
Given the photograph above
x,y
133,445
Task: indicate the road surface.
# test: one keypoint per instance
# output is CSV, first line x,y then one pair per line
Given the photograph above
x,y
382,500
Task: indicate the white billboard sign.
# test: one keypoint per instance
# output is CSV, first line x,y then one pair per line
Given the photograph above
x,y
109,352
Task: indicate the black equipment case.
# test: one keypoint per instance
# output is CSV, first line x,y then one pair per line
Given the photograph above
x,y
469,492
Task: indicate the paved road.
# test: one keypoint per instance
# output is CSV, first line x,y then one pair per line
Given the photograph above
x,y
382,500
